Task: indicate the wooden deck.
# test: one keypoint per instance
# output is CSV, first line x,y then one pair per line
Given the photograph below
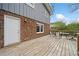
x,y
43,46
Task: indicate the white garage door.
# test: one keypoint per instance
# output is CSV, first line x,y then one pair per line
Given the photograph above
x,y
11,30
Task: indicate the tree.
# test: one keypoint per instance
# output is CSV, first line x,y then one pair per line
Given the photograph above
x,y
59,25
73,26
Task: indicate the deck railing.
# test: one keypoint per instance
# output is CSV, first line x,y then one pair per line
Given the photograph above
x,y
78,43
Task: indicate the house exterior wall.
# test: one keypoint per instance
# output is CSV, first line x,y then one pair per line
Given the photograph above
x,y
1,30
0,6
38,13
27,28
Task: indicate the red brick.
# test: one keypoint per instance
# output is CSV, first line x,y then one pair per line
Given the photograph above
x,y
28,28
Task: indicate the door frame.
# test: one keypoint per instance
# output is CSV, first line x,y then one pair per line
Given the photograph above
x,y
15,18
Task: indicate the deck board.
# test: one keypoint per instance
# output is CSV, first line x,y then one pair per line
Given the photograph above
x,y
67,48
43,46
53,46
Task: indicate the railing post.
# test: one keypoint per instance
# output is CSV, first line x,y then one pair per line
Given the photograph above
x,y
78,43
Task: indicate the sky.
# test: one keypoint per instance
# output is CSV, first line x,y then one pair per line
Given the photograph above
x,y
62,12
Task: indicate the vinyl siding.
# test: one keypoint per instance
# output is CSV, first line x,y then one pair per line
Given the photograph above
x,y
0,6
37,13
17,8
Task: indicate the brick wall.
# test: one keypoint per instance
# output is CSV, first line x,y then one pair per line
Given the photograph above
x,y
28,28
1,30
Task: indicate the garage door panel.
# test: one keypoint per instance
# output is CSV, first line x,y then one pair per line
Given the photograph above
x,y
11,30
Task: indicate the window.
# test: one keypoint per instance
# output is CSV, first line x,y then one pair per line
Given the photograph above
x,y
31,5
40,28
